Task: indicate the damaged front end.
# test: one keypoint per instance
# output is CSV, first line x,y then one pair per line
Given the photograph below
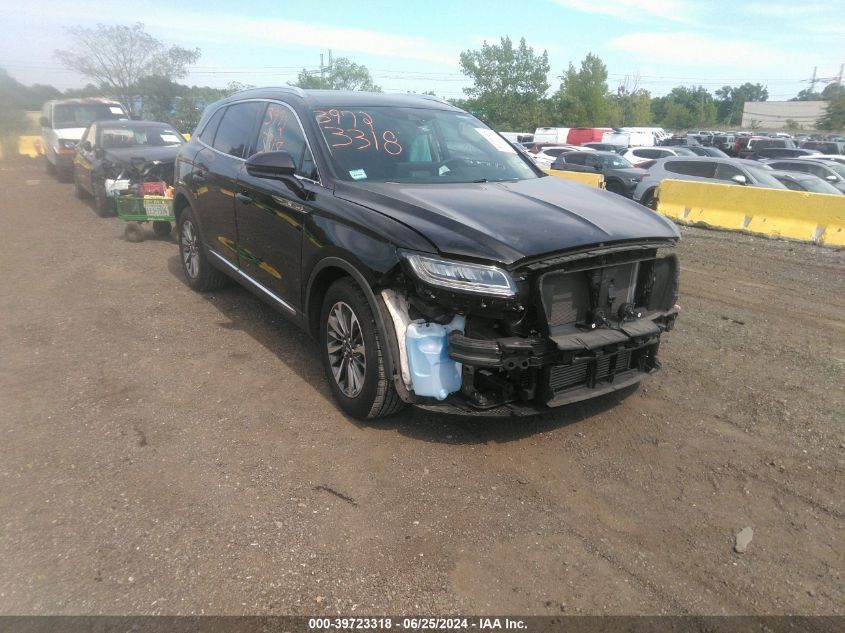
x,y
480,340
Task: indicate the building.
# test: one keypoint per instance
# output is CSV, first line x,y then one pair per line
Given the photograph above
x,y
779,115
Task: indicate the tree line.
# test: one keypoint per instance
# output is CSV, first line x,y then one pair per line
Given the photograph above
x,y
510,87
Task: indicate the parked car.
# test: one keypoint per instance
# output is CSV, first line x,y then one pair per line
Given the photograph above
x,y
62,124
123,151
639,155
825,147
707,150
581,135
798,181
604,147
836,158
679,141
757,143
620,176
724,170
547,155
428,258
552,135
724,142
782,152
830,171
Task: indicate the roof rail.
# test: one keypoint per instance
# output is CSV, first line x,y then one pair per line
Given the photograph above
x,y
299,92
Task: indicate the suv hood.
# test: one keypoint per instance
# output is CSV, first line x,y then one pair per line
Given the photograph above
x,y
510,221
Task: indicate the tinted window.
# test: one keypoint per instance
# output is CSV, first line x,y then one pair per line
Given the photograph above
x,y
790,184
554,151
574,158
83,115
236,134
796,166
281,132
701,169
207,134
724,171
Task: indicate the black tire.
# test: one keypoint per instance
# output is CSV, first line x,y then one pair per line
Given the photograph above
x,y
162,228
78,189
199,273
614,186
133,232
650,200
377,396
103,205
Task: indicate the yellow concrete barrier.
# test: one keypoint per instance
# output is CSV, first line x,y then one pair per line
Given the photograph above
x,y
594,180
812,217
30,146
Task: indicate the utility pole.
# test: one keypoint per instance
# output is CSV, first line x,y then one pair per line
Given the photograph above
x,y
813,80
839,79
322,68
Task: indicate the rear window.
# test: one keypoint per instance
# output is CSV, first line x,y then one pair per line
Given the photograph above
x,y
700,169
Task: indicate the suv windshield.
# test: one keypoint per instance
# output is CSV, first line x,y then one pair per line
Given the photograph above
x,y
763,177
73,115
417,145
140,135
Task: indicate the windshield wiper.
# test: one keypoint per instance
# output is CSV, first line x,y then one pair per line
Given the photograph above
x,y
481,180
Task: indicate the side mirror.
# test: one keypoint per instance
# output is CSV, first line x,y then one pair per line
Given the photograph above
x,y
271,165
99,153
597,166
86,145
740,179
832,178
276,166
43,121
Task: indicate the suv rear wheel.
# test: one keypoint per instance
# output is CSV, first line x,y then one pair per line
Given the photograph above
x,y
351,350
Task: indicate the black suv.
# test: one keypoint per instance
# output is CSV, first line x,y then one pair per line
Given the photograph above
x,y
432,262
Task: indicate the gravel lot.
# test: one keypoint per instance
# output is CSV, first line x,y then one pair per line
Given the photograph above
x,y
166,452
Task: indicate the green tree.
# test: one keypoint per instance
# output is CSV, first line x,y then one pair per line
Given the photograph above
x,y
685,107
631,106
342,75
118,57
834,117
583,98
509,84
730,101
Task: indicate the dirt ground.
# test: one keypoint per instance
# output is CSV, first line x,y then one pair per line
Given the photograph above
x,y
167,452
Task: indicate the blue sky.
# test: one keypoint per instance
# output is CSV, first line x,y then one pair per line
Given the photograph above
x,y
415,45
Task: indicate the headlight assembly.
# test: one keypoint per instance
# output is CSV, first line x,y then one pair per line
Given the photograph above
x,y
461,276
66,143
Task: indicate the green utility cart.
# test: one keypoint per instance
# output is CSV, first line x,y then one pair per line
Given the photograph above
x,y
136,211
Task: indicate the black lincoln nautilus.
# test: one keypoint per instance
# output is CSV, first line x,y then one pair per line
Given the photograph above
x,y
433,263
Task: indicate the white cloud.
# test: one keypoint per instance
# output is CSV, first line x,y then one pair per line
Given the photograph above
x,y
697,50
673,10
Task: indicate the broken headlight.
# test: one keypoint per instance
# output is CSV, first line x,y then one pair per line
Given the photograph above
x,y
461,276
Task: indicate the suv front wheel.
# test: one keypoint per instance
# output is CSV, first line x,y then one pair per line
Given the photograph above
x,y
201,275
352,354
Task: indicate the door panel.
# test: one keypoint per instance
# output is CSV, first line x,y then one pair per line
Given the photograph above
x,y
214,178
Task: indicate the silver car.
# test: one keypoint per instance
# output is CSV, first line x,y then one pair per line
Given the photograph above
x,y
731,171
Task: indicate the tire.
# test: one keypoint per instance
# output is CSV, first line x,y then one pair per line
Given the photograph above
x,y
103,205
133,232
199,273
78,189
649,200
367,392
615,186
162,228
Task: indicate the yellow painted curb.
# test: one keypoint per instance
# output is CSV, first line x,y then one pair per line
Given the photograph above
x,y
594,180
799,215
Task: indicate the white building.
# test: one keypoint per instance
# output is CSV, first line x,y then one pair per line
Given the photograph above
x,y
773,115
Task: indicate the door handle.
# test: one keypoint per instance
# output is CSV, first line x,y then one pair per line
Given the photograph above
x,y
243,198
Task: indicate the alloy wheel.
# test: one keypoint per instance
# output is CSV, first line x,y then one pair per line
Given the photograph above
x,y
190,249
345,347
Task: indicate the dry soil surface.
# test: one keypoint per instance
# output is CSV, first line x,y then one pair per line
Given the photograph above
x,y
163,451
